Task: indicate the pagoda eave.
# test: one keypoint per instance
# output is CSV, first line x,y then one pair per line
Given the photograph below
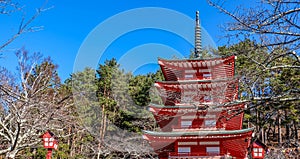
x,y
199,134
185,106
195,84
200,81
155,108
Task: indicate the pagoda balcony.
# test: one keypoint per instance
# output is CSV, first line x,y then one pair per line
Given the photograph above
x,y
195,155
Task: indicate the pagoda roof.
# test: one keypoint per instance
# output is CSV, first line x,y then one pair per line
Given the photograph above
x,y
195,62
198,133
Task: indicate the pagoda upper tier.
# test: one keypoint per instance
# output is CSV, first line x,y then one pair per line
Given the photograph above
x,y
198,91
193,69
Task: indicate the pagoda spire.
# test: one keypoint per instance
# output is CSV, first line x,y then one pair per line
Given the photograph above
x,y
198,48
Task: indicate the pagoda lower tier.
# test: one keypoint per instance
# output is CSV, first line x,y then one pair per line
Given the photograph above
x,y
200,144
212,117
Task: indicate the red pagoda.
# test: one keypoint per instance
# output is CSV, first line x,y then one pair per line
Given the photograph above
x,y
201,116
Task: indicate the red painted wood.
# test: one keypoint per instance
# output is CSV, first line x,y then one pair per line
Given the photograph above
x,y
49,154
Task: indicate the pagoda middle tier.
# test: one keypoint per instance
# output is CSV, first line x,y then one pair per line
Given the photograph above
x,y
198,91
201,117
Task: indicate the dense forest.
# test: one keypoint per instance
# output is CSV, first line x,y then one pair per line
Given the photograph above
x,y
101,113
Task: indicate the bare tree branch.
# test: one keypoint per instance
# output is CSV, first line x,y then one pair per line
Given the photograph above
x,y
24,25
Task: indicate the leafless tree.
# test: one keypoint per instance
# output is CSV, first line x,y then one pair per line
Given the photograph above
x,y
274,27
272,74
272,24
30,104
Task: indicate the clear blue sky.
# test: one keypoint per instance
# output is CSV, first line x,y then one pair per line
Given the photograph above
x,y
69,23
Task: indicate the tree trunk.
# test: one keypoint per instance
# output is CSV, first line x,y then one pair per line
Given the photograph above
x,y
73,146
69,142
98,155
268,136
257,120
262,135
296,132
279,129
262,130
287,129
11,154
101,131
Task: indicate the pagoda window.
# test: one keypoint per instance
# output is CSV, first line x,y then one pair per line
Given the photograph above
x,y
187,143
186,124
184,149
210,123
189,76
258,152
211,151
206,76
207,99
209,143
190,71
